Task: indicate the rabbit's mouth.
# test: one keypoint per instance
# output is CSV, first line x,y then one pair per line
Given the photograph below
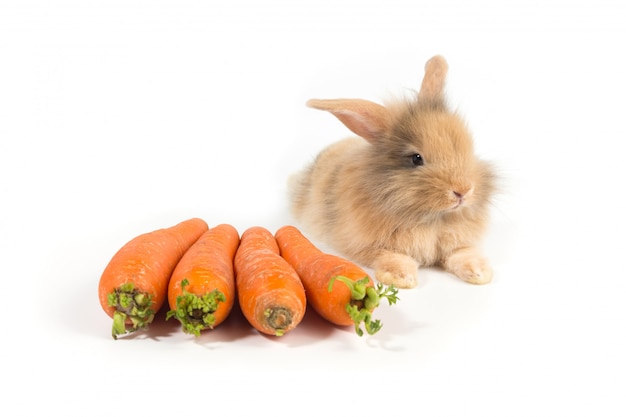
x,y
459,203
456,206
459,198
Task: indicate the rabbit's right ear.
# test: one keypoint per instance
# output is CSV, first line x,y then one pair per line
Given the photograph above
x,y
433,83
365,118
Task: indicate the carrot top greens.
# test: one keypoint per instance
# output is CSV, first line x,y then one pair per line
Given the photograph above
x,y
195,312
130,304
364,299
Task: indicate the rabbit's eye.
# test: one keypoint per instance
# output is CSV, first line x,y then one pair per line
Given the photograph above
x,y
417,159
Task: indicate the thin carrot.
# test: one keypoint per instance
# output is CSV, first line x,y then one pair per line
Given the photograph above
x,y
133,285
343,305
270,293
201,291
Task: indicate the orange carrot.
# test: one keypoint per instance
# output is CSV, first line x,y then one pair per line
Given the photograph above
x,y
349,303
201,291
133,286
270,293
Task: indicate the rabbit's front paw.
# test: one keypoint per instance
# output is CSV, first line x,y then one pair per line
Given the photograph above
x,y
396,269
469,266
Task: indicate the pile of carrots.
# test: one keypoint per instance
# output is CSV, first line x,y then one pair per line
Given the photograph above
x,y
201,272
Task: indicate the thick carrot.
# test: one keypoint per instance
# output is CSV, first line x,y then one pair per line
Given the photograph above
x,y
133,286
270,293
201,291
350,302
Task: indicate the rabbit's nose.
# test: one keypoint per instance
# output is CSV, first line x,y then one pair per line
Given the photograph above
x,y
462,192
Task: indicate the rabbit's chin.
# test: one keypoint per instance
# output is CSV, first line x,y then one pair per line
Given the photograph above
x,y
439,217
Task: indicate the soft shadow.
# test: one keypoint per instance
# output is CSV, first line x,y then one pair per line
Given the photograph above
x,y
396,326
312,329
396,321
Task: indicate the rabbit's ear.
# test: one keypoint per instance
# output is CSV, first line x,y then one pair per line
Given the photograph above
x,y
432,89
365,118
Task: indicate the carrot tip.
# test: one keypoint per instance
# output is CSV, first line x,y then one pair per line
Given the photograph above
x,y
279,319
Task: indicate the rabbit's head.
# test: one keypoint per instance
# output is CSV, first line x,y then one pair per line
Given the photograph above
x,y
420,164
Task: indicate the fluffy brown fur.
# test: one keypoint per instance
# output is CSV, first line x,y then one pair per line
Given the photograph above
x,y
368,198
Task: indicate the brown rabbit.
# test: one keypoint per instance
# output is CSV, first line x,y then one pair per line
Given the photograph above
x,y
408,192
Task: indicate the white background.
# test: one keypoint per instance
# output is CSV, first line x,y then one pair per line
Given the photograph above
x,y
120,117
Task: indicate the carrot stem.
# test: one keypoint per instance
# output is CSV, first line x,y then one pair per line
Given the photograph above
x,y
195,313
364,299
130,304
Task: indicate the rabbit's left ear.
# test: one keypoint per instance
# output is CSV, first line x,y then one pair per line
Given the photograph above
x,y
369,120
433,83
